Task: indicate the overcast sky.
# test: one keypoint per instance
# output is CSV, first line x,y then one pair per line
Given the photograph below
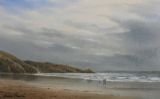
x,y
99,34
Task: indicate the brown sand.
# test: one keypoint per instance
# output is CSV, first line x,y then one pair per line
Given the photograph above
x,y
10,89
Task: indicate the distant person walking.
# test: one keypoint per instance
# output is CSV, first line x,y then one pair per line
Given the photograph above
x,y
104,83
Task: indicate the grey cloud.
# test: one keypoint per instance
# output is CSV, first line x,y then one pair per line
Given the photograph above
x,y
52,32
141,42
62,48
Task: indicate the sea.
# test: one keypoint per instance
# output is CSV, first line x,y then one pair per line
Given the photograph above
x,y
121,76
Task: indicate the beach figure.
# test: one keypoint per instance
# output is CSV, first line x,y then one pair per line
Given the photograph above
x,y
104,83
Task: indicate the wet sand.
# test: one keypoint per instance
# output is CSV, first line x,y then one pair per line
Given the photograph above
x,y
13,89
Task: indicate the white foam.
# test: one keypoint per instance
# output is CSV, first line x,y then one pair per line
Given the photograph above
x,y
114,77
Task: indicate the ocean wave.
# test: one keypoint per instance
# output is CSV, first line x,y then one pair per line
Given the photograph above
x,y
113,77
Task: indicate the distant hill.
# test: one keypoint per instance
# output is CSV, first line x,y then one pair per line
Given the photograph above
x,y
50,67
11,64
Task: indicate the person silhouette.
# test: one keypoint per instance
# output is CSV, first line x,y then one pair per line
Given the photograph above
x,y
104,83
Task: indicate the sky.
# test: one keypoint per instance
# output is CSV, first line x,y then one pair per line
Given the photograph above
x,y
98,34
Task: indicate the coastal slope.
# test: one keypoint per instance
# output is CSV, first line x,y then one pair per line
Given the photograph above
x,y
57,68
11,64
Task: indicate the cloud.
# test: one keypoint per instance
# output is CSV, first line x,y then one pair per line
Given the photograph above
x,y
106,35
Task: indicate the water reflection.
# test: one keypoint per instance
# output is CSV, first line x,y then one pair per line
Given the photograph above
x,y
25,77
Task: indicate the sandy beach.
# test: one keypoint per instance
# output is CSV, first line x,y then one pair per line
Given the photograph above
x,y
11,89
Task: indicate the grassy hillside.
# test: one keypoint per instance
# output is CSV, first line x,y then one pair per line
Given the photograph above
x,y
50,67
11,64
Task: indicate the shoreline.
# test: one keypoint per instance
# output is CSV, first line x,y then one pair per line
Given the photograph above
x,y
13,89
